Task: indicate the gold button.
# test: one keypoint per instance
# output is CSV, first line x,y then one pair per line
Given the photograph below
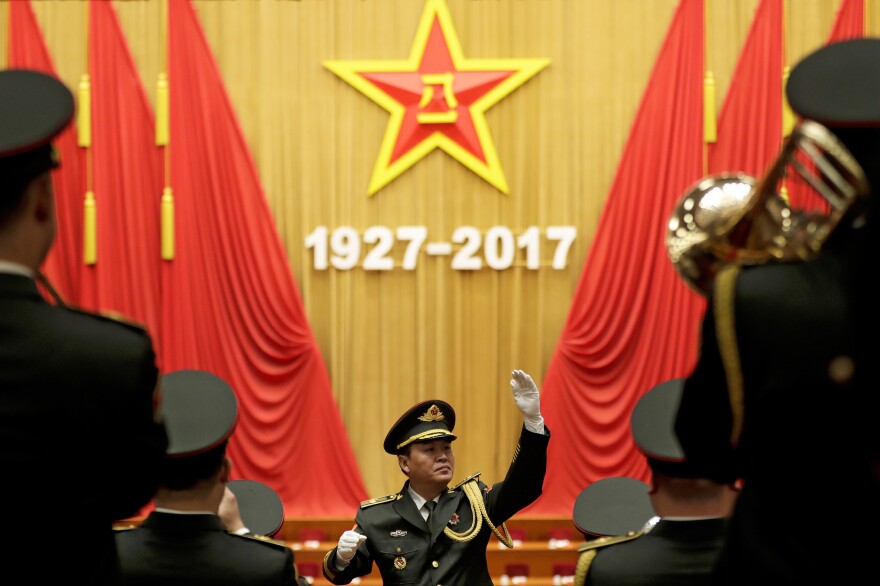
x,y
398,550
436,564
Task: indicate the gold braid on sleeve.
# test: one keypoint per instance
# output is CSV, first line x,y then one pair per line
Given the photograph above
x,y
478,513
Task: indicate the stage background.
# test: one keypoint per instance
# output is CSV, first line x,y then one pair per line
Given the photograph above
x,y
392,338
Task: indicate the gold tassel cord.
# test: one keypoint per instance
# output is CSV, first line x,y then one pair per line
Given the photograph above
x,y
476,523
84,112
90,232
84,140
163,139
583,566
167,224
710,127
162,110
478,510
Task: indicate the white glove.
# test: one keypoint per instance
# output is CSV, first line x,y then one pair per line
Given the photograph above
x,y
347,546
525,393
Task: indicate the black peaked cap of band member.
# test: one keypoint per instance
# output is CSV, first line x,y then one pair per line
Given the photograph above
x,y
838,85
200,411
653,422
424,421
262,511
615,505
34,108
653,430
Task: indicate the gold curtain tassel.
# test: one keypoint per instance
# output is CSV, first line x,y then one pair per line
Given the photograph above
x,y
167,224
710,127
162,110
90,229
788,117
783,193
84,112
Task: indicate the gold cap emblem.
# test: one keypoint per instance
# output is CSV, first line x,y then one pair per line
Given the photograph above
x,y
432,414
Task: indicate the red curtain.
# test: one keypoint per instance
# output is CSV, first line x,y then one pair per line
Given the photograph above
x,y
848,24
633,322
28,50
850,21
227,303
126,181
750,121
230,303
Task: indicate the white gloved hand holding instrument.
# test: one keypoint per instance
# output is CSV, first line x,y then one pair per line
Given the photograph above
x,y
347,546
527,398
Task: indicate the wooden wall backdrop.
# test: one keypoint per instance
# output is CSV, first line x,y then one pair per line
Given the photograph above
x,y
393,338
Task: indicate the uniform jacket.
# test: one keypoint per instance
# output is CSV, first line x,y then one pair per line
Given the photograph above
x,y
76,428
406,551
671,553
175,549
803,411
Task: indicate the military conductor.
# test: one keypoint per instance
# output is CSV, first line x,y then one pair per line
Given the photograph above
x,y
429,533
77,391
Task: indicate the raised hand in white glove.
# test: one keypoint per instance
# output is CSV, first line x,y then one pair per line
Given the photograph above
x,y
525,393
347,546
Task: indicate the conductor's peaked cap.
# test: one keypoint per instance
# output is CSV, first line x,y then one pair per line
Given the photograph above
x,y
425,421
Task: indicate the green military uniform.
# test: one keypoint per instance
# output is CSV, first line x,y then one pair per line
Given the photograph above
x,y
452,550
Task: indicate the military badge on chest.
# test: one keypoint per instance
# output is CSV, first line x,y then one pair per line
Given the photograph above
x,y
455,520
399,562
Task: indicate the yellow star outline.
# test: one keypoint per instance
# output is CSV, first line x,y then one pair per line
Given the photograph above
x,y
433,106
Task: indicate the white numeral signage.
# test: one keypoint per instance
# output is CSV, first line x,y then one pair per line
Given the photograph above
x,y
344,248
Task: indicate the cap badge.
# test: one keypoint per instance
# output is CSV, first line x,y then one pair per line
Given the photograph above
x,y
398,533
432,414
400,562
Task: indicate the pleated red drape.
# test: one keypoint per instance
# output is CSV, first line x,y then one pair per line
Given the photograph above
x,y
849,23
126,181
227,303
230,303
593,409
750,121
633,322
28,50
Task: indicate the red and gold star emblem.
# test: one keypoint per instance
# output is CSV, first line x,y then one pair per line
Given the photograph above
x,y
437,99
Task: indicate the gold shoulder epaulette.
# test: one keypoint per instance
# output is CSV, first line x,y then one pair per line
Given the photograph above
x,y
381,499
262,539
474,476
609,540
